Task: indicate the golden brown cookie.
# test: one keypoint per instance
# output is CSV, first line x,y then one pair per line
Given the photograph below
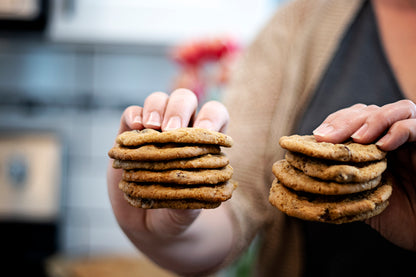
x,y
297,180
344,152
150,152
172,204
335,209
204,161
180,176
219,192
334,171
182,135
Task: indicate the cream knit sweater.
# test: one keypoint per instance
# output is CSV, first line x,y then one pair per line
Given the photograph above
x,y
268,93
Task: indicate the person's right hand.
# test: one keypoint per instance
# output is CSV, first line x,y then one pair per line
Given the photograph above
x,y
170,236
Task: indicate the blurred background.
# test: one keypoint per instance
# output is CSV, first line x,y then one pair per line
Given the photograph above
x,y
68,68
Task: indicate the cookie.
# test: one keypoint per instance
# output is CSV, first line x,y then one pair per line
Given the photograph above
x,y
344,152
162,152
297,180
220,192
342,173
336,209
146,203
180,176
204,161
182,135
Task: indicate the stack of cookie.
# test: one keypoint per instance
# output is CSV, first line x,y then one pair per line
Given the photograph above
x,y
333,183
181,169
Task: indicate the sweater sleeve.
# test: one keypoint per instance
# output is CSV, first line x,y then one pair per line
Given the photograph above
x,y
269,88
251,99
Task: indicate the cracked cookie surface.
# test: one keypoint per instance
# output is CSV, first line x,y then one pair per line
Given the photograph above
x,y
298,181
333,171
187,135
344,152
338,209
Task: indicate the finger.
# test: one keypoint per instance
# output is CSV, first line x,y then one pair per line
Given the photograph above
x,y
400,132
131,119
214,116
379,121
339,126
180,109
170,222
154,110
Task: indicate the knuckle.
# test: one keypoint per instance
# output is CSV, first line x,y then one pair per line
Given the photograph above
x,y
155,98
214,108
214,105
372,107
158,94
131,107
343,116
335,116
379,117
183,95
410,106
407,102
358,106
183,92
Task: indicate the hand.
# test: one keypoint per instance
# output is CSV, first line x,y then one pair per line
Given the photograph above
x,y
393,128
164,234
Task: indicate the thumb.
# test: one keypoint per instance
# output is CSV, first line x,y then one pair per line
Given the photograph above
x,y
170,222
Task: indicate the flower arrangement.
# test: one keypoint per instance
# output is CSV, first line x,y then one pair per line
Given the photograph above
x,y
205,64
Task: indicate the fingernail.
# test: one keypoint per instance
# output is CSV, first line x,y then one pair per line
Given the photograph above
x,y
173,123
154,119
137,119
323,130
360,132
383,140
206,124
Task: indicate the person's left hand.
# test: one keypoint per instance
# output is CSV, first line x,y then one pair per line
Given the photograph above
x,y
393,128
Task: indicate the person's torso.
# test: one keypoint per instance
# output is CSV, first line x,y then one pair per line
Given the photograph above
x,y
358,73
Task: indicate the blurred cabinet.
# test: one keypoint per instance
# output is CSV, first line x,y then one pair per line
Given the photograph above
x,y
30,176
38,73
30,200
